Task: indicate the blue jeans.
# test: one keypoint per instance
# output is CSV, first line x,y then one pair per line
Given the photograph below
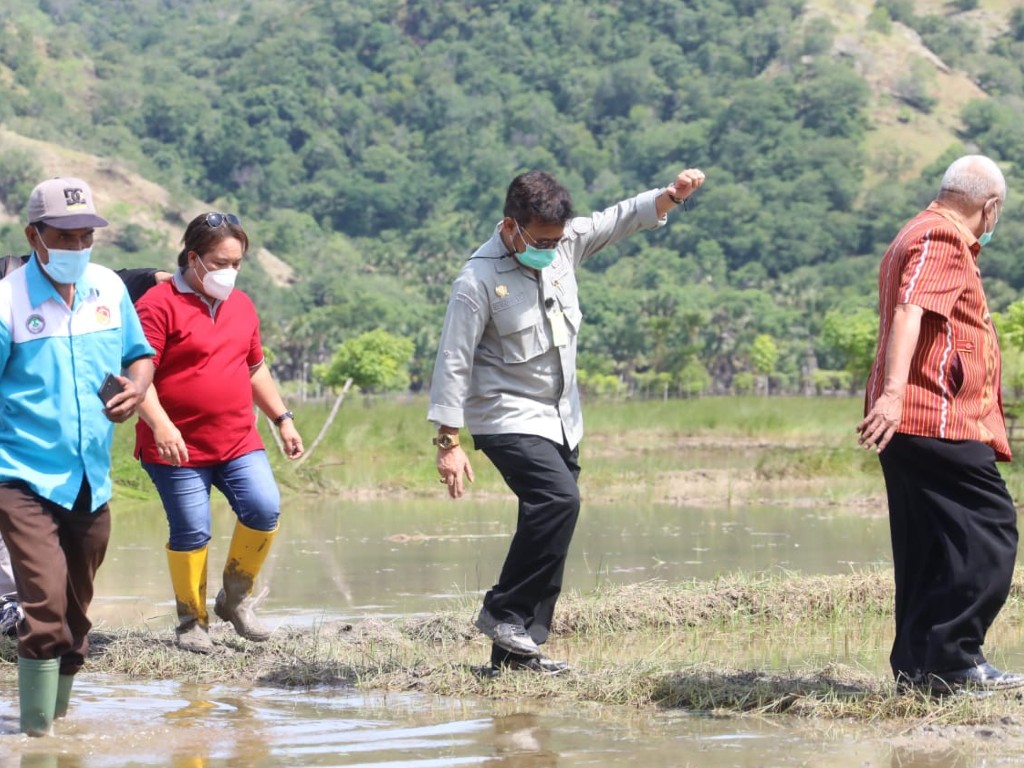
x,y
247,482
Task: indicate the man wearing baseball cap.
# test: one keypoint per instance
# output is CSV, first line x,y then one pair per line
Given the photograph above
x,y
65,324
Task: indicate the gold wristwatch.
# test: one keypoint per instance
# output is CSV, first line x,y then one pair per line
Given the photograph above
x,y
446,441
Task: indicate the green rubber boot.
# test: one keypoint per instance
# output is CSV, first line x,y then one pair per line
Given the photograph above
x,y
37,694
64,683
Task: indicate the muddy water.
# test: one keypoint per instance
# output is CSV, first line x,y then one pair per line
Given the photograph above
x,y
346,560
349,560
119,723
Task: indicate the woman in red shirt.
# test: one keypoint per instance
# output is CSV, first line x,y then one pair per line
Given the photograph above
x,y
197,427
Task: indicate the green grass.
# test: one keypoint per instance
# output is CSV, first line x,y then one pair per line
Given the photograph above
x,y
381,446
775,418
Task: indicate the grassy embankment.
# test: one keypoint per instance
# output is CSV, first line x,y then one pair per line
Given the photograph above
x,y
382,447
646,646
800,644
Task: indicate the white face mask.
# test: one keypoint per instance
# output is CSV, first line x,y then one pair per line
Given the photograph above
x,y
218,283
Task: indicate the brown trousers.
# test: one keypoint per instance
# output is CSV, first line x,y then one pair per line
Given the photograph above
x,y
55,553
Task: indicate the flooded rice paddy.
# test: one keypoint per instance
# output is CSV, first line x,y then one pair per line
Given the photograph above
x,y
351,561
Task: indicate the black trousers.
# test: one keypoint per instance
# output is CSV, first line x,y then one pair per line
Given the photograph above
x,y
543,476
954,543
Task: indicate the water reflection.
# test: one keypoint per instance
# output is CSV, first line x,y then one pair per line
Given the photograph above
x,y
904,757
121,722
521,740
349,560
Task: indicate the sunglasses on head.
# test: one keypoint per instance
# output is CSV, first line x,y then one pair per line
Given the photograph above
x,y
214,220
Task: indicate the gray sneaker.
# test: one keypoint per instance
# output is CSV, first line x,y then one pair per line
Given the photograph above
x,y
508,637
10,615
514,638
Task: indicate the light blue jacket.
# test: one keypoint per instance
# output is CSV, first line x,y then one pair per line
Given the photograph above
x,y
53,358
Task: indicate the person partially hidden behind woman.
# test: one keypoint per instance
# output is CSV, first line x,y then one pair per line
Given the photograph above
x,y
197,427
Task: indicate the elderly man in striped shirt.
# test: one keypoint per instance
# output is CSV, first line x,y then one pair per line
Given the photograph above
x,y
934,414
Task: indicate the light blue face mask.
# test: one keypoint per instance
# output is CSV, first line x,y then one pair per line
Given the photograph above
x,y
534,258
66,267
986,237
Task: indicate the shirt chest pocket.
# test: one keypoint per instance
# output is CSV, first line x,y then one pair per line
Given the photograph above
x,y
573,319
520,332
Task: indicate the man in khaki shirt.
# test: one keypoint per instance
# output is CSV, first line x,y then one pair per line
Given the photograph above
x,y
506,371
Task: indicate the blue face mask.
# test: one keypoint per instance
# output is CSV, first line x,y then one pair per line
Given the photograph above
x,y
534,258
986,237
66,267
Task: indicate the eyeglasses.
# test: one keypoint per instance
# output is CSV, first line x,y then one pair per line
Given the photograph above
x,y
214,220
540,245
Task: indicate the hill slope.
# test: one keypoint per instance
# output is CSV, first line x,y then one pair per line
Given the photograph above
x,y
368,144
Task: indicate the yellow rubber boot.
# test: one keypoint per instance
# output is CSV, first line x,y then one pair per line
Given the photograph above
x,y
234,603
188,577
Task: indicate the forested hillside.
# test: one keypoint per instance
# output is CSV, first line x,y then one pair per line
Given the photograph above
x,y
368,143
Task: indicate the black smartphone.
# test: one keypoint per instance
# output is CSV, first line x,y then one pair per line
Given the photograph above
x,y
110,387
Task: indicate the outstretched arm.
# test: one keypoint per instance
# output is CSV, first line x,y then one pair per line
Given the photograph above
x,y
685,184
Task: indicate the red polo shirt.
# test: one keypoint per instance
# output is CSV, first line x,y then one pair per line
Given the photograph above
x,y
202,372
954,390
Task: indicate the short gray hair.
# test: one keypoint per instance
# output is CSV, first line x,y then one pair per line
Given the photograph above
x,y
975,177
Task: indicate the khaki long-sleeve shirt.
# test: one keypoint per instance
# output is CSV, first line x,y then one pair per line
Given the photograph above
x,y
506,361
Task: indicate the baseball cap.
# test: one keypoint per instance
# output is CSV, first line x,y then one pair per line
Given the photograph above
x,y
63,203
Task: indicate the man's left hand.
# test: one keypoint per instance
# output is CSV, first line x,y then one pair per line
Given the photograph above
x,y
686,183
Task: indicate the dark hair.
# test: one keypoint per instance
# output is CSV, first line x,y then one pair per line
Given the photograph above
x,y
201,237
535,196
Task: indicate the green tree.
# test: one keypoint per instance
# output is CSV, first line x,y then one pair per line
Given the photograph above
x,y
764,356
376,361
693,378
853,335
1010,324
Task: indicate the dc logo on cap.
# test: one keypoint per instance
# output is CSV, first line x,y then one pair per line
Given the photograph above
x,y
74,196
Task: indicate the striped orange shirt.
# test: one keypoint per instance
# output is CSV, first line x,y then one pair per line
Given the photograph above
x,y
953,391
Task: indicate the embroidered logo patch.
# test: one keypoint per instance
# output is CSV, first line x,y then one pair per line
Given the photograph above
x,y
102,316
35,324
501,291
